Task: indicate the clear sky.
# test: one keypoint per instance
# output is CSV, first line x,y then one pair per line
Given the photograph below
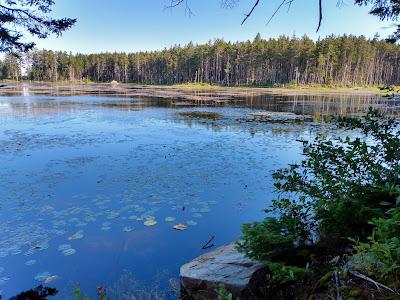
x,y
133,25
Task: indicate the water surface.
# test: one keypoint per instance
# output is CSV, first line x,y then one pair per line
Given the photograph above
x,y
90,188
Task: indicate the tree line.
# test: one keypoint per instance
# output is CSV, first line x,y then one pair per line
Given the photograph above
x,y
335,60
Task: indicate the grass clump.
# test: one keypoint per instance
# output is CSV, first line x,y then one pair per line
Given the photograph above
x,y
196,85
201,115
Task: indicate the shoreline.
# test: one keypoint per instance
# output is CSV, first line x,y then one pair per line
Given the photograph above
x,y
191,93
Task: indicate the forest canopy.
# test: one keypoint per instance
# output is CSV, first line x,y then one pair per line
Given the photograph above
x,y
340,61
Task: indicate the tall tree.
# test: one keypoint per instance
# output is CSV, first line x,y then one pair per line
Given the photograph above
x,y
18,17
338,61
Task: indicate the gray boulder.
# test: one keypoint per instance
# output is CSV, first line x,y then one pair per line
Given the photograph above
x,y
223,268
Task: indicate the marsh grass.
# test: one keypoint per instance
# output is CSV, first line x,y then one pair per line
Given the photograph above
x,y
196,86
201,115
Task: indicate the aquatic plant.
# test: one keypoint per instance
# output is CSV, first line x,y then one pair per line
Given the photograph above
x,y
201,115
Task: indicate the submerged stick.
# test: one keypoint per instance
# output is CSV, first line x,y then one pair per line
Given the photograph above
x,y
208,244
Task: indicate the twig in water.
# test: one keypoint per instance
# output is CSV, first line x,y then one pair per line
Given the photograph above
x,y
208,244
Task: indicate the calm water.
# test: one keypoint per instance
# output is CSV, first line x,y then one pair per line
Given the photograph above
x,y
80,179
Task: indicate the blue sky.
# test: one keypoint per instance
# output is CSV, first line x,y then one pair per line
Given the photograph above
x,y
133,25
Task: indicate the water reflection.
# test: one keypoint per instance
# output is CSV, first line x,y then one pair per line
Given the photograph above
x,y
82,177
321,106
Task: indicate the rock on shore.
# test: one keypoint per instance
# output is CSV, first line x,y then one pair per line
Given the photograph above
x,y
223,268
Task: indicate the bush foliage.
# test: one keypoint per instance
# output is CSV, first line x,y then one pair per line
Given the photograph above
x,y
345,190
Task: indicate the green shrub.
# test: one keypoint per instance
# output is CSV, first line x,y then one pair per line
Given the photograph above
x,y
329,197
380,256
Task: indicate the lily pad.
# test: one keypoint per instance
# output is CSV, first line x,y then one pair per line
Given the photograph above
x,y
78,235
150,222
42,276
68,252
30,262
3,280
191,223
180,226
50,279
197,215
127,229
204,209
170,219
64,247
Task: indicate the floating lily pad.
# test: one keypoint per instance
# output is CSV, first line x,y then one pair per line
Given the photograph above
x,y
64,247
180,227
50,279
68,252
3,280
105,228
150,222
15,251
170,219
113,215
76,236
59,232
42,276
204,209
30,262
127,229
197,215
191,223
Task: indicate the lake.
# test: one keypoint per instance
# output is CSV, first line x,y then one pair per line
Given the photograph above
x,y
91,186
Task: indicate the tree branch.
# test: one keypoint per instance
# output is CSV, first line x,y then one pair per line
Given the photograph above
x,y
320,15
250,12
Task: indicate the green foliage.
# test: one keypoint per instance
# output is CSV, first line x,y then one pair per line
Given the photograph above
x,y
380,256
344,182
281,273
345,61
332,195
38,293
78,295
22,18
195,85
224,294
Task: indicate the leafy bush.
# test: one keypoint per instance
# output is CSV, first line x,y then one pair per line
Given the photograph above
x,y
331,196
380,256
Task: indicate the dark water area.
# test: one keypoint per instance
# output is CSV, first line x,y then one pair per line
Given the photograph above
x,y
91,186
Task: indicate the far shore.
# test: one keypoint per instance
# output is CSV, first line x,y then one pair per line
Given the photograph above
x,y
181,92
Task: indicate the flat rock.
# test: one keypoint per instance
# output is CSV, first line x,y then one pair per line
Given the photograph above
x,y
225,267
